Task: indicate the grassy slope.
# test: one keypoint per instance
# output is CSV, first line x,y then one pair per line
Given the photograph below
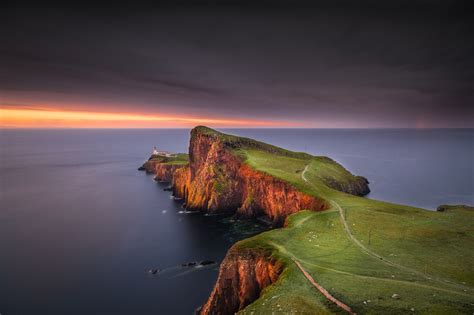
x,y
425,257
179,159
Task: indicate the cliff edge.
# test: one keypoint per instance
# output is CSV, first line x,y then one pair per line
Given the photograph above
x,y
243,275
219,179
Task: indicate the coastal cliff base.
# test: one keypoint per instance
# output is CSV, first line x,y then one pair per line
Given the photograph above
x,y
243,275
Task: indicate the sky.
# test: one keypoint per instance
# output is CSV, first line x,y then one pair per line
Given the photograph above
x,y
318,64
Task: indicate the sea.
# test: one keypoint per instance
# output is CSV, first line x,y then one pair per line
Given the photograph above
x,y
82,230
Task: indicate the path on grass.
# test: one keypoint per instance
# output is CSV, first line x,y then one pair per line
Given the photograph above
x,y
323,290
303,174
373,254
283,250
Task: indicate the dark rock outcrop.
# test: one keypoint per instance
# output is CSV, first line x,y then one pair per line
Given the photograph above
x,y
357,187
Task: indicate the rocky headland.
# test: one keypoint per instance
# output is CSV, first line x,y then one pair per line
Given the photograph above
x,y
217,179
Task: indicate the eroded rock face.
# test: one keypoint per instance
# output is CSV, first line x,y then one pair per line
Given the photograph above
x,y
216,181
149,166
265,195
181,182
243,275
164,172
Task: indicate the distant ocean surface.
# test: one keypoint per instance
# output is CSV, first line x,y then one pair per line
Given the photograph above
x,y
80,226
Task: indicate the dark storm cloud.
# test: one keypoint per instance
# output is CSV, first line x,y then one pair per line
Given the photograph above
x,y
391,63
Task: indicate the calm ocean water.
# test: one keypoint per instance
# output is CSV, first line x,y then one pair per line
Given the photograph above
x,y
80,226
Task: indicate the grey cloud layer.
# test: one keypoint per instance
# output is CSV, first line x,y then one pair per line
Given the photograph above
x,y
373,67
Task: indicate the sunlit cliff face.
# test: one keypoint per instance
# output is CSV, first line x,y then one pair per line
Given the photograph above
x,y
54,118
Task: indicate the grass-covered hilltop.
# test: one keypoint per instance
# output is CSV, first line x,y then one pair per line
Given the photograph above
x,y
337,252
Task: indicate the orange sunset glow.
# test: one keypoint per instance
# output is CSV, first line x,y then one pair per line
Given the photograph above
x,y
40,118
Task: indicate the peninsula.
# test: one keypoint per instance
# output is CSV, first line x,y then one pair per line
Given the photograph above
x,y
332,250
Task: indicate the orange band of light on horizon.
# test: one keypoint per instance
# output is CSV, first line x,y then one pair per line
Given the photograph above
x,y
34,118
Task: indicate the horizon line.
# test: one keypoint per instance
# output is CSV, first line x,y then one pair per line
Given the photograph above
x,y
189,128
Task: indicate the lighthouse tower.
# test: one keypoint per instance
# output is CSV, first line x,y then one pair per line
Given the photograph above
x,y
155,151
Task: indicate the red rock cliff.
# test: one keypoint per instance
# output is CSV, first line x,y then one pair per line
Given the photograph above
x,y
149,166
218,181
181,182
276,199
165,172
243,274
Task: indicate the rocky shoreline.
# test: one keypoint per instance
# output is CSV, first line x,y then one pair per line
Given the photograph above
x,y
217,181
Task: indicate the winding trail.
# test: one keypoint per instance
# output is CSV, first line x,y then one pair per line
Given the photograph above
x,y
320,288
362,246
303,174
373,254
354,240
323,290
389,262
346,273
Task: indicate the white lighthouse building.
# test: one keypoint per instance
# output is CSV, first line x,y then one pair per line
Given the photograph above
x,y
156,152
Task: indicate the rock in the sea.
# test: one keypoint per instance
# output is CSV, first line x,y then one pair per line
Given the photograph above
x,y
189,264
207,262
153,271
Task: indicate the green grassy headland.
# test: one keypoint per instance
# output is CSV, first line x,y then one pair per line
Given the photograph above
x,y
375,256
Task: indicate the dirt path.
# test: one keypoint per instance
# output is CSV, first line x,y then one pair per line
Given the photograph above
x,y
373,254
303,174
362,246
283,250
323,290
348,231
